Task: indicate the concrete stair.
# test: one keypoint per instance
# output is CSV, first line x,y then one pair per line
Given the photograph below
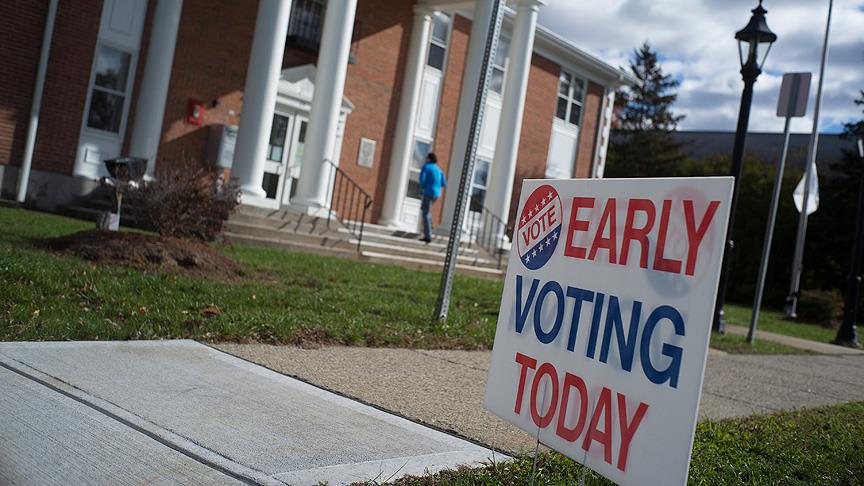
x,y
284,228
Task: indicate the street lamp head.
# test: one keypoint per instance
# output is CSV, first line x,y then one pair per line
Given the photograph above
x,y
754,33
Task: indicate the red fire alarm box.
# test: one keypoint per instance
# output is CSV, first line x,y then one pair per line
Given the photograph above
x,y
195,112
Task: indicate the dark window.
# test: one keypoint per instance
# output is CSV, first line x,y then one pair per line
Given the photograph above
x,y
307,19
436,57
277,138
570,92
106,111
270,184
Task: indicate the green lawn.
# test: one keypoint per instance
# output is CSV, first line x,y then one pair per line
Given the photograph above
x,y
286,298
817,446
773,321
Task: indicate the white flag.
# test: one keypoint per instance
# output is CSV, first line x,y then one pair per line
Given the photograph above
x,y
812,197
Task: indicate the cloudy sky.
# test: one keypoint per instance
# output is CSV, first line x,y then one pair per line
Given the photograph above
x,y
695,39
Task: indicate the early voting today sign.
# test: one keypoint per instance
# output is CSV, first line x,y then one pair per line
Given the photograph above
x,y
605,320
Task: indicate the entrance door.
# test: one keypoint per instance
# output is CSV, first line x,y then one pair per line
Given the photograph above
x,y
274,165
295,157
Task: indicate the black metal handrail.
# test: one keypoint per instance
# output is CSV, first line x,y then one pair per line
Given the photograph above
x,y
488,231
349,203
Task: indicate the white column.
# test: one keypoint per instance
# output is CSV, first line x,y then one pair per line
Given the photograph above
x,y
259,95
150,111
470,80
326,102
403,136
503,171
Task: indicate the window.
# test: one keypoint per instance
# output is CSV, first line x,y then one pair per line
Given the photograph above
x,y
438,41
304,27
277,138
496,82
570,92
108,93
418,158
478,186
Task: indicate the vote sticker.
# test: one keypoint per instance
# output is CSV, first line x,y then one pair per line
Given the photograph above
x,y
539,227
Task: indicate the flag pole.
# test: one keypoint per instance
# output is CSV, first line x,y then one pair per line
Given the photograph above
x,y
797,262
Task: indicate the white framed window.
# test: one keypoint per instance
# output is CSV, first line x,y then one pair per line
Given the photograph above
x,y
499,66
571,92
478,185
437,55
278,132
418,158
109,89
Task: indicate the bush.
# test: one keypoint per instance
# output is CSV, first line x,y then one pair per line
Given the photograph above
x,y
185,201
821,306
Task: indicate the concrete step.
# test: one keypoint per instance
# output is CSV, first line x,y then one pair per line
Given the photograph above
x,y
430,265
342,240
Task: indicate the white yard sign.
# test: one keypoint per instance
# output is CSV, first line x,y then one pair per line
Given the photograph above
x,y
605,320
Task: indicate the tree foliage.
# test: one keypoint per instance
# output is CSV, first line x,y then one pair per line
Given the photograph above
x,y
642,145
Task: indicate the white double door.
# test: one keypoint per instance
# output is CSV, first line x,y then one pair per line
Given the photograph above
x,y
284,157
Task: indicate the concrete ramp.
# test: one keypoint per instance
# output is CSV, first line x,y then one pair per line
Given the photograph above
x,y
178,412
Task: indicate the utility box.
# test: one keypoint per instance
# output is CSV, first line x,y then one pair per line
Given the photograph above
x,y
220,145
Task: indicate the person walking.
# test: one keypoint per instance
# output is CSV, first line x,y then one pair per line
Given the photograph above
x,y
431,181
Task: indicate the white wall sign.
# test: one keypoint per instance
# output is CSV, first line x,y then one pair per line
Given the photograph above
x,y
366,156
605,320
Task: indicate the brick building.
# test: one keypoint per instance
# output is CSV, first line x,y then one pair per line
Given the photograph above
x,y
282,92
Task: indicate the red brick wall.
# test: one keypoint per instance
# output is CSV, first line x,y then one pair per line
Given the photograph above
x,y
540,99
210,61
448,109
75,33
19,59
588,130
374,85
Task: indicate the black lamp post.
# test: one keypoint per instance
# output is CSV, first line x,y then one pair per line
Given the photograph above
x,y
848,333
756,32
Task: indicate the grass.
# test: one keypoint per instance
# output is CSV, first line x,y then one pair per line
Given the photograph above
x,y
734,344
816,446
774,321
287,298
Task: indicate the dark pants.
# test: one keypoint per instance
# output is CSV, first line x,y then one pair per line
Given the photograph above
x,y
425,209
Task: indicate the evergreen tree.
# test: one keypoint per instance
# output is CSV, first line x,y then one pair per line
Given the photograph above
x,y
642,144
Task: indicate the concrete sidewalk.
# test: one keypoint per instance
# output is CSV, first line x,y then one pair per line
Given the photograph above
x,y
179,412
446,388
798,343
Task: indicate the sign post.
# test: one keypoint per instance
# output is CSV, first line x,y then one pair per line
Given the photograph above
x,y
605,320
792,103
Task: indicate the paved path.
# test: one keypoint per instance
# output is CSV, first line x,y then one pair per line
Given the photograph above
x,y
805,344
179,412
445,388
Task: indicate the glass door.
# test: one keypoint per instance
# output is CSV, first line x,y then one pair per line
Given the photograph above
x,y
274,164
294,161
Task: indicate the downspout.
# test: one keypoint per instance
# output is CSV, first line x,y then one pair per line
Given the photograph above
x,y
30,144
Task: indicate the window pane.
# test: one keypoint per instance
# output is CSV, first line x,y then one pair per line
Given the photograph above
x,y
270,183
496,83
564,84
112,68
440,26
414,187
578,89
575,111
106,111
277,138
421,150
481,172
501,52
301,142
477,197
436,57
561,109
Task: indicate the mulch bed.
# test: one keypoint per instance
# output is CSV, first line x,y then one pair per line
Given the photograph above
x,y
146,252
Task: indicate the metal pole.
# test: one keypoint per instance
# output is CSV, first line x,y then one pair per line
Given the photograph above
x,y
847,335
443,303
769,231
797,267
749,72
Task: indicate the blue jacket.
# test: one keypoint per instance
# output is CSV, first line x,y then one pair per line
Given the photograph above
x,y
432,180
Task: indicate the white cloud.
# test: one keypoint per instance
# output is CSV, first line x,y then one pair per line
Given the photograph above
x,y
695,39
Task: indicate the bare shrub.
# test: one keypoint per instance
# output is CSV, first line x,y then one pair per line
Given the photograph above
x,y
185,201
